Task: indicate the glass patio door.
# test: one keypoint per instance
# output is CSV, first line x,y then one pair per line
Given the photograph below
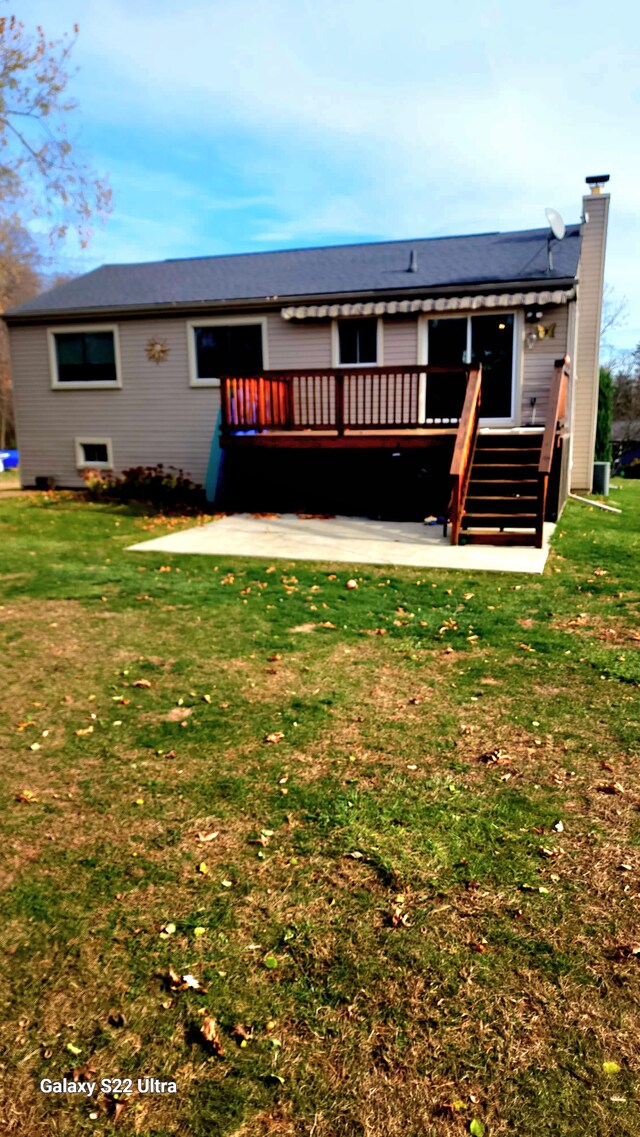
x,y
456,340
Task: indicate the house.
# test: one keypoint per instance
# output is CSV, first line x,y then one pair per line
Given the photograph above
x,y
474,358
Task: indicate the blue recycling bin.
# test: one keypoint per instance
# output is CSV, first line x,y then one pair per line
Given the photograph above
x,y
10,459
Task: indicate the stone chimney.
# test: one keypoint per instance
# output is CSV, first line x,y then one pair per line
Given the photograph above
x,y
595,214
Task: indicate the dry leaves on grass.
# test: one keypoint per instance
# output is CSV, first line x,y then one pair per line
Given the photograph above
x,y
610,788
178,714
187,982
142,683
275,736
495,758
26,796
211,1034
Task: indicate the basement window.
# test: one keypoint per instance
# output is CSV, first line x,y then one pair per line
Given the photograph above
x,y
94,454
84,358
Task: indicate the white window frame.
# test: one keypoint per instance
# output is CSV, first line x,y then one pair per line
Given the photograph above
x,y
85,439
91,385
335,343
217,322
516,363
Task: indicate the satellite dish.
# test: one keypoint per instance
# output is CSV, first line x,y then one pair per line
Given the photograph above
x,y
556,223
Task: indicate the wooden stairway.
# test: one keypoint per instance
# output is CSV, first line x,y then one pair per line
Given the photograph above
x,y
502,499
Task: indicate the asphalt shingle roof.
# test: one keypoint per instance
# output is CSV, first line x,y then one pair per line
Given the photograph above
x,y
486,258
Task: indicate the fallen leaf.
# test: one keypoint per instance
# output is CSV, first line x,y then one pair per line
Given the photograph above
x,y
625,951
177,714
558,827
211,1034
275,658
142,683
610,788
24,725
199,931
85,730
203,868
26,796
167,930
270,962
275,736
241,1034
36,745
356,856
351,584
611,1067
179,982
476,1128
75,1050
204,837
399,918
227,883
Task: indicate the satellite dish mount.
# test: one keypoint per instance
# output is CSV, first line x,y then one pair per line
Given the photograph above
x,y
558,231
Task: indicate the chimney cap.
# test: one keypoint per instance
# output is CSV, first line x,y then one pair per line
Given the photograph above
x,y
597,179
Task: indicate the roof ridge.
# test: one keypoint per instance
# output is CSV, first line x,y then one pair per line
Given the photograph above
x,y
331,248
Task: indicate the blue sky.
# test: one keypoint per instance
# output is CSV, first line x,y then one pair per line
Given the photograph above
x,y
239,125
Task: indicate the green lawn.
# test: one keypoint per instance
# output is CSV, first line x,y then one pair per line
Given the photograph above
x,y
419,914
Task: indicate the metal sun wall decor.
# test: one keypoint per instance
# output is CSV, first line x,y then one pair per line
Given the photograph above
x,y
157,350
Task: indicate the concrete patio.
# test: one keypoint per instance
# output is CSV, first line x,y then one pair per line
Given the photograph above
x,y
349,540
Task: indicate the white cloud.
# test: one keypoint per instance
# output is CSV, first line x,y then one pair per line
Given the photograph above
x,y
368,118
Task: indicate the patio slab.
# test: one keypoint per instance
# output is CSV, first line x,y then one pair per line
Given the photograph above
x,y
349,540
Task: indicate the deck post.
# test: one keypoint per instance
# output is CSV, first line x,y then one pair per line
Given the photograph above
x,y
339,381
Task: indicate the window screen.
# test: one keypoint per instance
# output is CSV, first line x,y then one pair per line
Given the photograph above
x,y
86,357
358,340
228,349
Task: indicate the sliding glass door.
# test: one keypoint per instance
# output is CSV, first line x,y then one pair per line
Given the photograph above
x,y
455,340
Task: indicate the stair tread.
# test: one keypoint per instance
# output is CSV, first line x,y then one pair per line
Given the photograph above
x,y
500,520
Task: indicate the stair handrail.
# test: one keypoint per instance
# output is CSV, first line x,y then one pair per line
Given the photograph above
x,y
463,451
555,416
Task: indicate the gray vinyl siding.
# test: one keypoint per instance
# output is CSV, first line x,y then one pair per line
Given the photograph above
x,y
157,417
298,343
400,341
538,364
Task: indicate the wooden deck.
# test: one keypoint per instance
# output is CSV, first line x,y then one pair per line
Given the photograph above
x,y
498,485
340,407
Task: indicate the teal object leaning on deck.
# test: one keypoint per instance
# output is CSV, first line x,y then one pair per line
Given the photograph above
x,y
214,466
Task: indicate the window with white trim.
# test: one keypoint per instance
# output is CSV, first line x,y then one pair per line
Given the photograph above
x,y
94,453
222,348
84,357
358,341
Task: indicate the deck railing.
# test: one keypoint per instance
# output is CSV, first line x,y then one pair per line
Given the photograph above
x,y
463,452
344,399
551,438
